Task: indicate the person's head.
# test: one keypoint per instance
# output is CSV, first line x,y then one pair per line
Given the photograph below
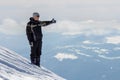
x,y
36,16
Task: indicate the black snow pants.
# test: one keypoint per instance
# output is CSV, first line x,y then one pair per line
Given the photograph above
x,y
36,51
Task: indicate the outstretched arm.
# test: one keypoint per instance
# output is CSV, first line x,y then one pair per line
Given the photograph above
x,y
45,23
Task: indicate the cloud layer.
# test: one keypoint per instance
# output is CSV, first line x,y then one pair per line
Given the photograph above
x,y
11,27
89,27
113,40
66,27
77,17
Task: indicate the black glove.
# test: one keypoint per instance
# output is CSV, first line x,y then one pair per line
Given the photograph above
x,y
53,20
31,44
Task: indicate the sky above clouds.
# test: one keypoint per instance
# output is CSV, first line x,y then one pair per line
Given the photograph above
x,y
63,9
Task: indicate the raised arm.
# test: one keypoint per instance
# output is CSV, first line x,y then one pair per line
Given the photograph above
x,y
45,23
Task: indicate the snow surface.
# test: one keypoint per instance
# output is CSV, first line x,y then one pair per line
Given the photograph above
x,y
16,67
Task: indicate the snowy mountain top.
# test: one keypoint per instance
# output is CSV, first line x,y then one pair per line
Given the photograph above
x,y
16,67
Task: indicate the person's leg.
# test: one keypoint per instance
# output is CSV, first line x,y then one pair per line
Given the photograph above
x,y
39,52
33,53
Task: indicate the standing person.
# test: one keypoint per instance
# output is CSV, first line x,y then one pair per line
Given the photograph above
x,y
34,35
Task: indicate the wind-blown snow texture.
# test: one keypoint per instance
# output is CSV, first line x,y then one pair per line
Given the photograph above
x,y
15,67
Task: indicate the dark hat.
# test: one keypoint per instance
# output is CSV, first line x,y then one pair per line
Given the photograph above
x,y
36,14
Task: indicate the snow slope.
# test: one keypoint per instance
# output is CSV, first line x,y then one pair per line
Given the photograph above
x,y
15,67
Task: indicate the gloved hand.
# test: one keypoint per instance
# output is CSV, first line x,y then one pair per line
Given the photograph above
x,y
31,44
53,20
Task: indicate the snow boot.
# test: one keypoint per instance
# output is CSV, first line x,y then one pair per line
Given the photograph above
x,y
38,61
33,60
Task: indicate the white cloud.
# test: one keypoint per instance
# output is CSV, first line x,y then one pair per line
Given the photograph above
x,y
88,28
71,33
109,58
83,54
66,27
11,27
87,42
90,48
90,42
62,56
96,49
113,40
101,51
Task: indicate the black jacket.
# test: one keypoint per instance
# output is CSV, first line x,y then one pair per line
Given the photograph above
x,y
34,31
